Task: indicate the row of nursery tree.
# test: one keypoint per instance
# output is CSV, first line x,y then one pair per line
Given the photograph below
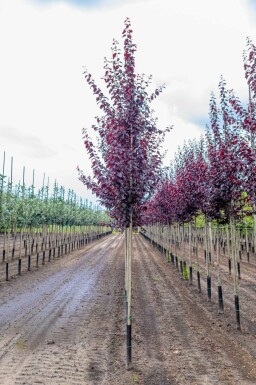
x,y
215,177
39,224
23,206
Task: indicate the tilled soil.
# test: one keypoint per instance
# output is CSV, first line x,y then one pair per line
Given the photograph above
x,y
65,324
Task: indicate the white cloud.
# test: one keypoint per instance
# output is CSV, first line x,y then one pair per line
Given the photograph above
x,y
43,96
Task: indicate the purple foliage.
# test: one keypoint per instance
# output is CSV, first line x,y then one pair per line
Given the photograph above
x,y
216,177
126,162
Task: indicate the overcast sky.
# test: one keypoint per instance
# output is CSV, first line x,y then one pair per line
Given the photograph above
x,y
44,45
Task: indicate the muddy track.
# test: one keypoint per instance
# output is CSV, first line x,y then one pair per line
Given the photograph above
x,y
198,349
36,261
65,325
54,329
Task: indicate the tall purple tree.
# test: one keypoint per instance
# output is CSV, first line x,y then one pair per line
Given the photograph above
x,y
246,119
126,161
226,150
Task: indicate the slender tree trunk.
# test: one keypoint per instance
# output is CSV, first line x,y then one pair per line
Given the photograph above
x,y
235,277
228,248
238,254
220,294
176,230
7,255
20,248
37,237
247,245
129,298
14,240
126,269
210,243
29,247
185,272
4,245
197,264
209,284
190,254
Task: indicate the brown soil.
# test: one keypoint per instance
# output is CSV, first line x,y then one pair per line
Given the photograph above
x,y
65,324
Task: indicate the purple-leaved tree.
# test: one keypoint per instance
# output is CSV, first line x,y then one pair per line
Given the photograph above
x,y
126,161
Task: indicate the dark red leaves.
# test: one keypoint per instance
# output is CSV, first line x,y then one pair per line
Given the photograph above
x,y
126,162
215,176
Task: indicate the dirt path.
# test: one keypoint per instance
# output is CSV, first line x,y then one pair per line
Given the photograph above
x,y
65,325
190,343
56,323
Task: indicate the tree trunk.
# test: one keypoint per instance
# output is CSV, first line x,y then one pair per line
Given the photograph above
x,y
129,298
220,294
209,285
190,254
234,258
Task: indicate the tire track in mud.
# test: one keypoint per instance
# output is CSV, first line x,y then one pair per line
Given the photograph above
x,y
107,311
196,345
13,262
51,345
184,352
45,286
146,324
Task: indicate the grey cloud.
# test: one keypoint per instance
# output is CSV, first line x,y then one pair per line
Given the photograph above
x,y
30,144
189,107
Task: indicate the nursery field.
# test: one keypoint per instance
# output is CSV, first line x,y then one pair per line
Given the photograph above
x,y
156,283
64,324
